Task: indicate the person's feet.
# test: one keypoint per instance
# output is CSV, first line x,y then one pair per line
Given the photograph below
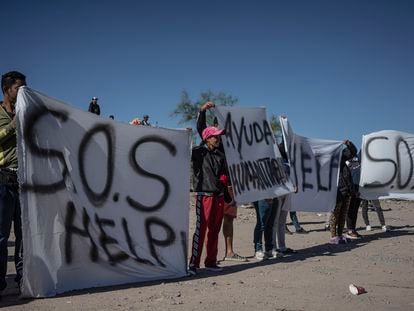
x,y
259,255
352,235
334,240
214,268
192,270
287,251
235,257
301,231
343,240
368,228
385,228
276,254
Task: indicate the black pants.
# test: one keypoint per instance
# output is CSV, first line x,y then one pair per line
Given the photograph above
x,y
352,216
10,212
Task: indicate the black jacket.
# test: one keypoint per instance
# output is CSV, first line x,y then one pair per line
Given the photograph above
x,y
208,166
346,186
94,108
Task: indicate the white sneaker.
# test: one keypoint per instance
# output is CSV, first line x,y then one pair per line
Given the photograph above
x,y
259,255
272,254
385,228
368,228
276,254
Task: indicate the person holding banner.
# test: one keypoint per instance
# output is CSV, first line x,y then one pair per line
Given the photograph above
x,y
210,184
230,209
9,186
345,191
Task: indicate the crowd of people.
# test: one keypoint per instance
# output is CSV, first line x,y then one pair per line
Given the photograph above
x,y
96,109
215,205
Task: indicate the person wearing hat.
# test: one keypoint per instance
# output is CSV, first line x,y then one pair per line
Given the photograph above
x,y
230,208
210,183
94,107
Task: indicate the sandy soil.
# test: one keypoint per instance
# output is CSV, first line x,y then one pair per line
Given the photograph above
x,y
317,278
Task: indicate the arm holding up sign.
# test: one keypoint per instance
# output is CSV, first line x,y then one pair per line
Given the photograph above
x,y
201,119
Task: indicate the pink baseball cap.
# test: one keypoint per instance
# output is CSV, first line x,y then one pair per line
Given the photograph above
x,y
211,131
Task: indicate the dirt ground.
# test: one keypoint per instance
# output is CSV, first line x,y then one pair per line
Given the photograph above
x,y
316,278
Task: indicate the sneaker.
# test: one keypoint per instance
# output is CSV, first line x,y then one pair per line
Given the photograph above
x,y
301,230
214,268
335,240
385,228
287,251
352,235
259,255
342,240
327,227
192,270
276,254
235,257
368,228
272,254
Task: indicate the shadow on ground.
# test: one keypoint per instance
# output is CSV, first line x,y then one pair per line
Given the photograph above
x,y
303,254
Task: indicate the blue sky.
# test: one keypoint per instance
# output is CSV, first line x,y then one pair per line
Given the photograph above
x,y
337,69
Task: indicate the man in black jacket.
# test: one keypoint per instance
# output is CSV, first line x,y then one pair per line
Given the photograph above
x,y
94,107
210,181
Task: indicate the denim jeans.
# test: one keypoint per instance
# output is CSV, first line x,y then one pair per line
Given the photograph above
x,y
9,212
295,220
265,217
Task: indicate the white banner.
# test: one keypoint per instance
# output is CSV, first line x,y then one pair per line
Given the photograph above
x,y
387,165
255,166
103,203
314,169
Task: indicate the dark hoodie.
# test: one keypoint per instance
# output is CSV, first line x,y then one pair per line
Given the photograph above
x,y
345,184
